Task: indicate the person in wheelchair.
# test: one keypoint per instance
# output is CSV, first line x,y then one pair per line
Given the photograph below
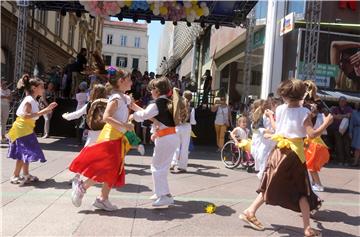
x,y
240,134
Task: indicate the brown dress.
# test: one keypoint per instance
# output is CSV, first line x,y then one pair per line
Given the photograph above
x,y
286,180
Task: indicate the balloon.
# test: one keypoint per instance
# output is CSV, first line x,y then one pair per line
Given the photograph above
x,y
187,4
156,11
121,4
128,3
190,18
206,11
187,11
163,11
199,12
203,4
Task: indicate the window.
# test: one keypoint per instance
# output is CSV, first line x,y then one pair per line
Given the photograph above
x,y
135,63
41,16
123,41
109,39
137,42
107,60
71,35
121,62
58,24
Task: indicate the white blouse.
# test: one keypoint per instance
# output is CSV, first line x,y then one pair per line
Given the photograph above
x,y
222,115
34,107
290,121
122,112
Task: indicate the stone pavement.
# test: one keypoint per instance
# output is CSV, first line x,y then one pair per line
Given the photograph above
x,y
45,208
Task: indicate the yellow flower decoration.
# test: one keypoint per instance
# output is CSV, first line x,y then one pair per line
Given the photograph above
x,y
210,208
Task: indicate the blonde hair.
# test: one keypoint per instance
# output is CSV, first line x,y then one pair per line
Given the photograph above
x,y
258,110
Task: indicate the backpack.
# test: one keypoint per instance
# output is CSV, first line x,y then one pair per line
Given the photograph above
x,y
179,107
94,117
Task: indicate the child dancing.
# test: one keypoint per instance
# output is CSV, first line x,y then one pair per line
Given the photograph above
x,y
166,141
285,181
103,162
24,146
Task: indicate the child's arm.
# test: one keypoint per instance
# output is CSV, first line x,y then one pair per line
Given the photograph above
x,y
232,135
28,110
76,114
146,114
311,132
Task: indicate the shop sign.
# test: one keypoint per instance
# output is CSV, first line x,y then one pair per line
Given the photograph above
x,y
323,73
287,24
259,39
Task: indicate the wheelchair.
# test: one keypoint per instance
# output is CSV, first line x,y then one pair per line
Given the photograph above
x,y
233,156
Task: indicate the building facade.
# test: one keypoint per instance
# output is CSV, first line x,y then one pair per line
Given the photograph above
x,y
51,38
125,45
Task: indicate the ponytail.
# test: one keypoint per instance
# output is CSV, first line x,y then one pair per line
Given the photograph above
x,y
26,83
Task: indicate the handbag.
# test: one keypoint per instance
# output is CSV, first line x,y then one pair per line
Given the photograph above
x,y
343,125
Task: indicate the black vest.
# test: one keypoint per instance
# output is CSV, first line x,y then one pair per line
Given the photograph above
x,y
164,116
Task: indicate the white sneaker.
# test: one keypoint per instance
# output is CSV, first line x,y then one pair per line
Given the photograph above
x,y
141,149
75,181
153,197
317,188
163,201
17,180
104,205
77,194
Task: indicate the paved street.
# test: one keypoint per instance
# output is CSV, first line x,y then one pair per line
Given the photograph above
x,y
45,208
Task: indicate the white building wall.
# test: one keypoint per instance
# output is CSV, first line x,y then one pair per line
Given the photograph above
x,y
131,31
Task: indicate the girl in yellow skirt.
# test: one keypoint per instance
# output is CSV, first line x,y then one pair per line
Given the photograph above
x,y
103,162
24,146
285,181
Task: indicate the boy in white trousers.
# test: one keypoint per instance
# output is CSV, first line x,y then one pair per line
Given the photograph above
x,y
166,139
181,155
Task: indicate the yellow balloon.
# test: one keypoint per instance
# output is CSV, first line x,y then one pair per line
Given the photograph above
x,y
187,11
199,12
163,11
152,6
128,3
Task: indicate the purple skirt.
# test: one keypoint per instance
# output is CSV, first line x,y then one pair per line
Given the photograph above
x,y
27,149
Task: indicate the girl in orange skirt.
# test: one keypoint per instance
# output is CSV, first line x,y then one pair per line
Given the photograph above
x,y
316,152
103,162
285,181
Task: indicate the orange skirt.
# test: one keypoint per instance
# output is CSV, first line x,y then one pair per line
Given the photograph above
x,y
316,155
102,162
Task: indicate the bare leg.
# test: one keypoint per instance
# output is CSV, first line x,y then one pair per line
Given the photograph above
x,y
26,169
105,191
251,210
305,211
316,178
18,166
88,183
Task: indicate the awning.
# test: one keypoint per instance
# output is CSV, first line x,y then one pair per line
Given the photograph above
x,y
335,95
223,13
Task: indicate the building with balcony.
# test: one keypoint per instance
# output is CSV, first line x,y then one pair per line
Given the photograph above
x,y
51,38
125,45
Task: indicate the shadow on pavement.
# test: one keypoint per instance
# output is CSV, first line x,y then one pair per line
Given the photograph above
x,y
339,190
296,231
143,170
134,188
336,216
181,210
50,183
62,144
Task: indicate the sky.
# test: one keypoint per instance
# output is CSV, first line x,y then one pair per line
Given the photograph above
x,y
154,31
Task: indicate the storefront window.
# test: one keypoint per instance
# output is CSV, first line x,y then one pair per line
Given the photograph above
x,y
261,10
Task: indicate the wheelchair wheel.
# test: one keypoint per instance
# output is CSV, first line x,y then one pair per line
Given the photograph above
x,y
230,155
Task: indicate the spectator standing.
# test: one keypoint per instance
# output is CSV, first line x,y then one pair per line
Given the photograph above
x,y
207,80
48,97
222,120
5,107
354,132
78,67
342,141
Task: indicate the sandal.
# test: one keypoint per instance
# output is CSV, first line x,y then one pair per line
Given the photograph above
x,y
252,221
313,233
30,178
16,179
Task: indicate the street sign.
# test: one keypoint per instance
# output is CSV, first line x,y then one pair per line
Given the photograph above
x,y
287,24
